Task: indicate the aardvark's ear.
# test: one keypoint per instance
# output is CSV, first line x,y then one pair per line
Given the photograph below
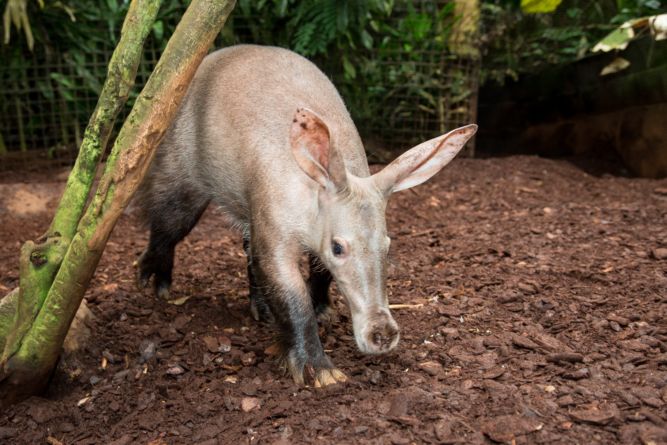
x,y
423,161
314,151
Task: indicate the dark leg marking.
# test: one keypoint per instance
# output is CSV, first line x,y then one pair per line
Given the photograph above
x,y
258,306
319,283
170,221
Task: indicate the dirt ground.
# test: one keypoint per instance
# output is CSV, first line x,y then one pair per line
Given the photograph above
x,y
537,314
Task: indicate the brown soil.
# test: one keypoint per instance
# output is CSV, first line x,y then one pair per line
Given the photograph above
x,y
539,316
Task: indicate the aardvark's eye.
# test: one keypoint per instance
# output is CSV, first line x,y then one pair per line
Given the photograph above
x,y
337,249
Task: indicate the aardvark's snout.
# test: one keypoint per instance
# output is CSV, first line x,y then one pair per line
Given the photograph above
x,y
376,333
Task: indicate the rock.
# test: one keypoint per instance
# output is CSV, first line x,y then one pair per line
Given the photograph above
x,y
114,406
175,369
431,368
505,428
225,344
94,380
443,430
249,403
593,416
211,344
78,333
249,389
660,253
249,359
147,349
315,424
41,413
7,433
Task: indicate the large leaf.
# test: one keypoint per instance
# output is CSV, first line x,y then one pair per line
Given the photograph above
x,y
537,6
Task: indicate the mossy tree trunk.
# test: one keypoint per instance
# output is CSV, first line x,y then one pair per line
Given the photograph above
x,y
56,271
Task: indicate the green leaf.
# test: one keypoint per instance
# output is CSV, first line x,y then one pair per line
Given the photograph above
x,y
366,39
61,79
618,39
539,6
158,29
349,68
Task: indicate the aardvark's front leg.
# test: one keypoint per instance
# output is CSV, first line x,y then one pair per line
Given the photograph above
x,y
291,306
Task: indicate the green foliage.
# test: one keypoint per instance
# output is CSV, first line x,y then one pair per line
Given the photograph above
x,y
515,42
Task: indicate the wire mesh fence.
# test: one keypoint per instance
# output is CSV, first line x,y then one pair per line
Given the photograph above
x,y
406,89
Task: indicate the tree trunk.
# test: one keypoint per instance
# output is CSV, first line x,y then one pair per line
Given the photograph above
x,y
35,342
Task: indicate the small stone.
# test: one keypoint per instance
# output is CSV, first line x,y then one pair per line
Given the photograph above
x,y
94,380
443,430
315,424
7,433
41,414
249,389
249,359
660,253
225,344
63,428
175,369
123,317
373,377
147,349
249,403
339,433
114,406
360,429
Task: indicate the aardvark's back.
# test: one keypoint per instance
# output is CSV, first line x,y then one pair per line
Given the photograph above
x,y
229,140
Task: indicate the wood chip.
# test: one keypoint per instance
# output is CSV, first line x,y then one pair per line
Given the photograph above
x,y
523,342
431,368
405,306
594,416
179,301
565,357
505,428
